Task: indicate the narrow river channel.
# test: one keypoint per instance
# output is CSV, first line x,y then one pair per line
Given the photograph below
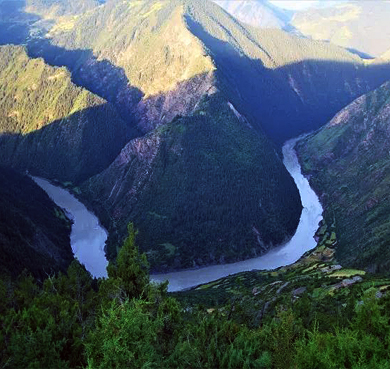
x,y
88,237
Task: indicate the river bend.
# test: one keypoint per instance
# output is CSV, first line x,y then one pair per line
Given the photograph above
x,y
88,237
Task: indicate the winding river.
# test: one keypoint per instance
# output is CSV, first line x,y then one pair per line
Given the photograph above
x,y
88,237
302,241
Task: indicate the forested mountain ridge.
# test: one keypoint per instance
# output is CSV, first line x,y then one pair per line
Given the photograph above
x,y
117,65
51,9
198,50
50,126
34,232
249,65
202,189
348,161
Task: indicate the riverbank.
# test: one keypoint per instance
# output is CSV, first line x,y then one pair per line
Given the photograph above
x,y
302,241
88,237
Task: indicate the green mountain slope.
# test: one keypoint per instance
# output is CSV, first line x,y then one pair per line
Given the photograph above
x,y
117,64
349,163
202,189
359,25
257,69
156,60
281,84
34,232
51,127
257,13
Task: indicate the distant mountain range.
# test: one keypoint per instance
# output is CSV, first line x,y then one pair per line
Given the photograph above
x,y
358,25
361,26
258,13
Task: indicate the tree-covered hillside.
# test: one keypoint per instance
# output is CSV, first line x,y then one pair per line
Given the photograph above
x,y
148,54
50,126
34,232
287,84
157,60
348,161
51,9
202,189
313,314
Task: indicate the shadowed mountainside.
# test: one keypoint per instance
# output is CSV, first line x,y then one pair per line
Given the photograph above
x,y
34,232
50,126
275,84
348,161
292,85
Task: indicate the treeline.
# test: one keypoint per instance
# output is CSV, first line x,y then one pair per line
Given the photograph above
x,y
72,321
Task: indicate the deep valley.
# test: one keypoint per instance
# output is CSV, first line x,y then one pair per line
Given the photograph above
x,y
194,184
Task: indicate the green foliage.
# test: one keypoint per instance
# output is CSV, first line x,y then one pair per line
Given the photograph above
x,y
70,321
125,337
196,189
69,134
45,326
130,270
349,163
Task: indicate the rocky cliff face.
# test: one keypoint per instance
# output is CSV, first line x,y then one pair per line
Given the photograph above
x,y
349,163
